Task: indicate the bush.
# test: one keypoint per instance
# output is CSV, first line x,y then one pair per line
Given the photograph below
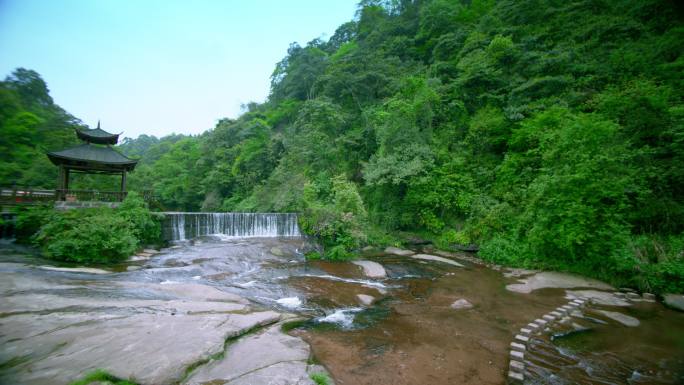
x,y
341,225
100,235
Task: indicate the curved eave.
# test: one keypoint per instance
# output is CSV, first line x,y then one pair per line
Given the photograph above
x,y
58,160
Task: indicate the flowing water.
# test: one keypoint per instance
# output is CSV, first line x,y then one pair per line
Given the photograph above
x,y
410,335
179,226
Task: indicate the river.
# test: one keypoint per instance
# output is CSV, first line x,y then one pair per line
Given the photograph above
x,y
409,333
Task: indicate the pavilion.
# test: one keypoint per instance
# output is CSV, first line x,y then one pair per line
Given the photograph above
x,y
95,156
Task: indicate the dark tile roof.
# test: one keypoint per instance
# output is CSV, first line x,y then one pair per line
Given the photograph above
x,y
93,154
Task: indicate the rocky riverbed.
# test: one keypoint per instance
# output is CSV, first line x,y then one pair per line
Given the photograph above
x,y
215,310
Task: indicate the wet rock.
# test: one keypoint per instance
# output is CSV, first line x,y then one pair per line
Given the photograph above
x,y
199,292
516,273
87,270
398,251
151,251
417,241
365,300
675,301
549,279
472,248
277,251
371,269
136,346
429,257
268,357
649,297
461,304
133,268
619,317
599,297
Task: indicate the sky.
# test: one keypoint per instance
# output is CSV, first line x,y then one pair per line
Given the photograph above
x,y
158,67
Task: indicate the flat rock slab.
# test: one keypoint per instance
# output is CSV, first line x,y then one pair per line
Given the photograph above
x,y
598,297
371,269
619,317
152,348
199,292
550,279
268,357
428,257
56,336
398,251
87,270
675,301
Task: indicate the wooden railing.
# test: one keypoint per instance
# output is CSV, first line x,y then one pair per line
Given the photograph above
x,y
21,195
25,195
90,196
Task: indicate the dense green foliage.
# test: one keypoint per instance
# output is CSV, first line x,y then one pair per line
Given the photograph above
x,y
98,235
31,124
550,133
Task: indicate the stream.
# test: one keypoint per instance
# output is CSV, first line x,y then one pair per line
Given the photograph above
x,y
408,334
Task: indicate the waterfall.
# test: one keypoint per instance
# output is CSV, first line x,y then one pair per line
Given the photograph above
x,y
178,225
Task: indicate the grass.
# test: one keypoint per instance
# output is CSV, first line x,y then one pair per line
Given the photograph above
x,y
101,375
320,378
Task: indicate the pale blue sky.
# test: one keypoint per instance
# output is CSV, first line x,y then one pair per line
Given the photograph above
x,y
159,66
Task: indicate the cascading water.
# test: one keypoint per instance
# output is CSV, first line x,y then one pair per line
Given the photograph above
x,y
179,226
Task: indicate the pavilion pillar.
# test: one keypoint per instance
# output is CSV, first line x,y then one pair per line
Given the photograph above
x,y
61,183
66,178
123,185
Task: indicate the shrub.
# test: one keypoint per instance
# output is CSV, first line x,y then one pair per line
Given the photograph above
x,y
100,235
320,378
341,225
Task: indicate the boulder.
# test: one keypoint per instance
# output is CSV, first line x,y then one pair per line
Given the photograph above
x,y
675,301
365,300
461,304
428,257
398,251
371,269
550,279
87,270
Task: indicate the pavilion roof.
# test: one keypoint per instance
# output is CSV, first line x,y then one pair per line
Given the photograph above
x,y
89,156
97,135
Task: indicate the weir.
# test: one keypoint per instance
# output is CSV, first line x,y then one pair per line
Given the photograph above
x,y
180,226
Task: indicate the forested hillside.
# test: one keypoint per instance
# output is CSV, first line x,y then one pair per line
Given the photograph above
x,y
30,125
549,133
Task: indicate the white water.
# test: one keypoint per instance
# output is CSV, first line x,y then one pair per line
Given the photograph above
x,y
341,317
180,226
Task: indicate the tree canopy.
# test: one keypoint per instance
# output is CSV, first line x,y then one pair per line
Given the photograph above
x,y
550,133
